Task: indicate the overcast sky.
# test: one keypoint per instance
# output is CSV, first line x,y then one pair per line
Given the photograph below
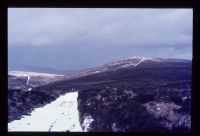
x,y
73,39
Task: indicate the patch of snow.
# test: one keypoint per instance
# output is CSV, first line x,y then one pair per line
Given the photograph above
x,y
97,71
29,89
142,59
25,73
127,65
184,98
124,61
59,115
127,59
114,127
157,107
27,82
86,123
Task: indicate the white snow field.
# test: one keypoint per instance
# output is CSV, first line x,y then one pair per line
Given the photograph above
x,y
59,115
26,73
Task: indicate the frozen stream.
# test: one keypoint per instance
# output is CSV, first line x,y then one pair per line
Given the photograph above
x,y
59,115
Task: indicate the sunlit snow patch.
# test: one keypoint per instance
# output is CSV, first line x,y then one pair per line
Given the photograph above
x,y
86,123
59,115
29,89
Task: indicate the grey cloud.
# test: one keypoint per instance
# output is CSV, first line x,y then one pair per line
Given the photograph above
x,y
106,26
96,35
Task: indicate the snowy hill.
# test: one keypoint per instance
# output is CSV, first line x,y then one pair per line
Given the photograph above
x,y
111,96
27,80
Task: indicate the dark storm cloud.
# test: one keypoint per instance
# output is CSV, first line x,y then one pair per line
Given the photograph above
x,y
94,36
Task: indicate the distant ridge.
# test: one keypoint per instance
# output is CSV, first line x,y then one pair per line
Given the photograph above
x,y
41,70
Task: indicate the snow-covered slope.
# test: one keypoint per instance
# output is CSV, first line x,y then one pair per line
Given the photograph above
x,y
110,98
115,65
123,63
33,79
131,60
59,115
26,73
